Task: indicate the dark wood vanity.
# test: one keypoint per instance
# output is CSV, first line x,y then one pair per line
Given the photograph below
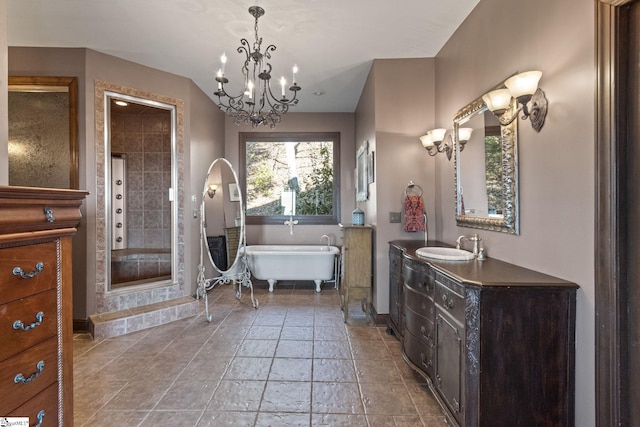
x,y
495,341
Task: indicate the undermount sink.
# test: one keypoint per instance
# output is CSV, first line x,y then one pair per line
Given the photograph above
x,y
447,254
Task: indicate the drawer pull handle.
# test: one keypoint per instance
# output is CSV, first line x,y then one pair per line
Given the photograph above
x,y
49,213
422,360
20,378
424,333
40,416
17,271
19,325
448,302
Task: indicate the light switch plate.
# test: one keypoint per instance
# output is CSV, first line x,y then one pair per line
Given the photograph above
x,y
394,217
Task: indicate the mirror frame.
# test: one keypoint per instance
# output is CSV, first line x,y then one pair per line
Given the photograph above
x,y
203,217
510,222
58,84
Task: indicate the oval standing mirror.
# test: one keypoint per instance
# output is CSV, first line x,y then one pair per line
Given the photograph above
x,y
222,216
222,235
486,170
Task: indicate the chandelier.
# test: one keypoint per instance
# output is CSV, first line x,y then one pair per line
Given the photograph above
x,y
256,103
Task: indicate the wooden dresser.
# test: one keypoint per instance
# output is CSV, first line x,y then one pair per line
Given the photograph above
x,y
36,326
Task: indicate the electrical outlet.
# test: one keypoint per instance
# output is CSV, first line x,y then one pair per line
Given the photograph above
x,y
394,217
195,213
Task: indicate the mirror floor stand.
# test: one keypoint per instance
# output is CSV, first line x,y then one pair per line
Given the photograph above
x,y
240,277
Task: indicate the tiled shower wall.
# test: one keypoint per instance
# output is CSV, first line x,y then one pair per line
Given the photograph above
x,y
145,140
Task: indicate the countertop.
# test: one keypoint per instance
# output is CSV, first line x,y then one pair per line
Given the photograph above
x,y
490,272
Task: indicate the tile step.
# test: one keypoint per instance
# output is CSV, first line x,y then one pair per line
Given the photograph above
x,y
121,322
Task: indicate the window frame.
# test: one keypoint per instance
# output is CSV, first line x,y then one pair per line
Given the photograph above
x,y
334,137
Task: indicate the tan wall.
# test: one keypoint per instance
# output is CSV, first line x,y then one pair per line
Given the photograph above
x,y
556,166
395,108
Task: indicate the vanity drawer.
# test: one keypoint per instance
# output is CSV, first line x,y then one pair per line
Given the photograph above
x,y
419,326
36,263
450,296
45,403
36,378
418,276
419,353
35,328
419,303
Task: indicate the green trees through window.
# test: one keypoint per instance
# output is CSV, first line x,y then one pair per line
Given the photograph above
x,y
290,174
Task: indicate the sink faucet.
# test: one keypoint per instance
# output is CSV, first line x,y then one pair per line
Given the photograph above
x,y
324,236
475,239
426,231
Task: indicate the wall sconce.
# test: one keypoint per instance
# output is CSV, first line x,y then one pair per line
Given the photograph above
x,y
434,142
464,135
524,88
211,190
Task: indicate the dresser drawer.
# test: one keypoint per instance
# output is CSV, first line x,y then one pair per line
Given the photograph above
x,y
419,353
450,296
36,378
26,270
419,303
45,403
418,276
26,322
419,326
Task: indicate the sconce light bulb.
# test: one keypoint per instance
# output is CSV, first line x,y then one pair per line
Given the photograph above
x,y
497,100
438,135
426,140
523,84
464,134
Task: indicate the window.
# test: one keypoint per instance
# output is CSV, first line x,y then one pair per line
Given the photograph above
x,y
290,174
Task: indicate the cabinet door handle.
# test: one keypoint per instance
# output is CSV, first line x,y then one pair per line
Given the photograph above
x,y
49,213
20,378
19,325
17,271
428,362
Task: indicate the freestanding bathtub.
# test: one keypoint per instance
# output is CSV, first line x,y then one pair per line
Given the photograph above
x,y
292,262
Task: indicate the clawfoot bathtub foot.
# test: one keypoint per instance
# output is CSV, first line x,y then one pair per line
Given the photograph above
x,y
318,283
271,284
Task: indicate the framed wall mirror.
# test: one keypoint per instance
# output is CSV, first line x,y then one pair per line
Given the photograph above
x,y
486,166
43,131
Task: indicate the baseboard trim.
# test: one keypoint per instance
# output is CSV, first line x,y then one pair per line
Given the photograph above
x,y
378,319
81,325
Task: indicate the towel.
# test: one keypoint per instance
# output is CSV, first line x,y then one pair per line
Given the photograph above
x,y
413,213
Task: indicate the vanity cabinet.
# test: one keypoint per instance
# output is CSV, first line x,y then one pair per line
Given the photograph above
x,y
36,360
496,342
396,294
356,270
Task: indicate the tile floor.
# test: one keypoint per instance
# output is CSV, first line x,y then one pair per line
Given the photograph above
x,y
291,362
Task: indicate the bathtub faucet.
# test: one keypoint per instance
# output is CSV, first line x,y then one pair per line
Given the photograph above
x,y
291,222
324,236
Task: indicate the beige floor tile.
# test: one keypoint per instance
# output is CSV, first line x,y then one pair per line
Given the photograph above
x,y
333,370
292,362
290,369
286,396
336,398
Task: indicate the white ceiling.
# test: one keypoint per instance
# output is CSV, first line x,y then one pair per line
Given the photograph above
x,y
333,42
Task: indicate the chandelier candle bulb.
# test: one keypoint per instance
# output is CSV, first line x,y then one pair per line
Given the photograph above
x,y
223,60
295,71
283,83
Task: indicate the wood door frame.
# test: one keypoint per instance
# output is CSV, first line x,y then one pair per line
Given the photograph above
x,y
612,405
